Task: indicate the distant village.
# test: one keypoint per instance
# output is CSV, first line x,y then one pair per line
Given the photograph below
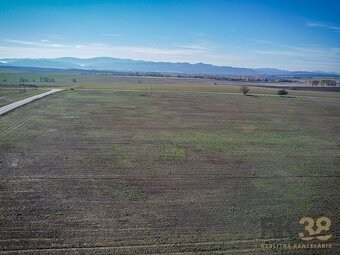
x,y
323,83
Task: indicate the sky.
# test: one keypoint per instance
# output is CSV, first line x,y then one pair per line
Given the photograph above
x,y
291,35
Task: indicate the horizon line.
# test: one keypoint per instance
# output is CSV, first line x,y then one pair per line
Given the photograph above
x,y
191,63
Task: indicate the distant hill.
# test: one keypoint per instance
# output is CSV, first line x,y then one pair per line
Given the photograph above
x,y
128,65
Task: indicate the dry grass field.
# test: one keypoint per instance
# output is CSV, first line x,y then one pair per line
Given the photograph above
x,y
192,169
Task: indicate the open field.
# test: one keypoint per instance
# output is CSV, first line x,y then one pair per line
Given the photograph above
x,y
112,81
192,169
66,79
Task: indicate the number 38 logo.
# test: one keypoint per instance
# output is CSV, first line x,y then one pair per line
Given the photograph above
x,y
322,224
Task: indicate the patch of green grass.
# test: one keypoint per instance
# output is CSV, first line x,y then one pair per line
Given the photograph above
x,y
2,219
55,215
161,239
207,140
124,191
158,237
254,127
289,191
131,192
180,154
260,185
123,158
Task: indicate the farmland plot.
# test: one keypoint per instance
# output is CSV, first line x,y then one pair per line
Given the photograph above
x,y
114,172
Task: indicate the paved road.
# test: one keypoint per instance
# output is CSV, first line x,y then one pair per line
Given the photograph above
x,y
5,109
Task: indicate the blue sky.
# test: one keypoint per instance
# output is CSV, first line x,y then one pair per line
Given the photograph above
x,y
293,35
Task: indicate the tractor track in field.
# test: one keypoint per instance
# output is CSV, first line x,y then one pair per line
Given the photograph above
x,y
157,247
179,177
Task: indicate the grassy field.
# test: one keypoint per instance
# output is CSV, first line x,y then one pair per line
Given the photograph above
x,y
65,80
14,77
192,169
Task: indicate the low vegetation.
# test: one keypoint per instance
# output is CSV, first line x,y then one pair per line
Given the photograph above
x,y
282,92
244,90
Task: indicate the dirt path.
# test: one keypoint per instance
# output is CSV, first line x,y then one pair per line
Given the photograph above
x,y
12,106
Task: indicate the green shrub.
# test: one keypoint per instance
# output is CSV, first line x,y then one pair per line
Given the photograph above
x,y
282,92
244,90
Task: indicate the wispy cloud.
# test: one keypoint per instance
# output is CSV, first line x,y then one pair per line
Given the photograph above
x,y
112,34
307,48
194,47
21,48
263,54
297,57
41,43
278,52
201,45
331,53
323,25
294,50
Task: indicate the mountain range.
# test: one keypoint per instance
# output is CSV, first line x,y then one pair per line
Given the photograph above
x,y
129,65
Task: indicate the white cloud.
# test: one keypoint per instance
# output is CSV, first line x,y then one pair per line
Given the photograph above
x,y
307,49
292,50
202,45
316,53
36,49
323,25
278,52
194,47
35,44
